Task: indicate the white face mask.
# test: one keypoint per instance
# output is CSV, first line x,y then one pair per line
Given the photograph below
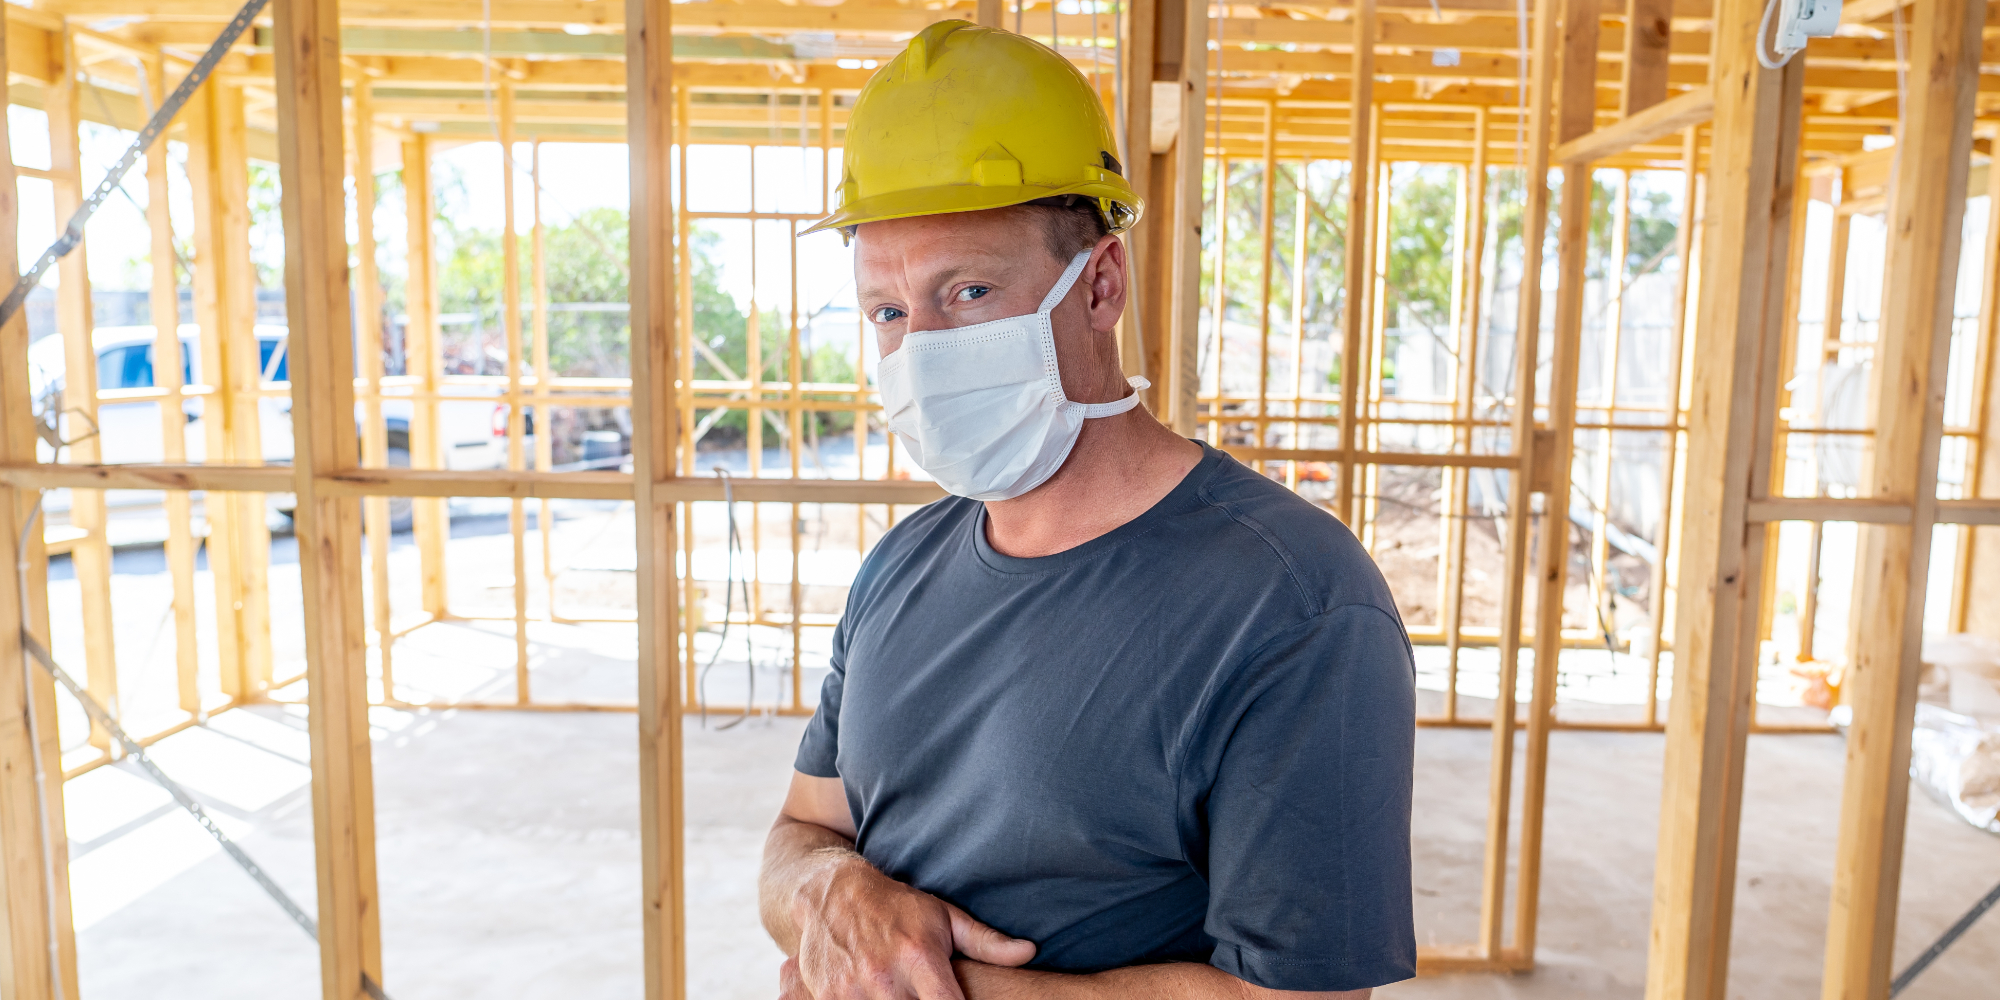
x,y
981,408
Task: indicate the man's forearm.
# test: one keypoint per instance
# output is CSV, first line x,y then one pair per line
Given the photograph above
x,y
1173,981
794,854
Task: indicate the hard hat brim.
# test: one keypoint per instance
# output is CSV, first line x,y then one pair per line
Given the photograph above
x,y
955,198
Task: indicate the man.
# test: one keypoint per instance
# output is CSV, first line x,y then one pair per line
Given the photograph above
x,y
1122,718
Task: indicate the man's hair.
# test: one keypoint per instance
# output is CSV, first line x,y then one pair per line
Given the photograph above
x,y
1070,225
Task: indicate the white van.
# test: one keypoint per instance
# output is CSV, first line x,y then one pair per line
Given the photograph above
x,y
473,430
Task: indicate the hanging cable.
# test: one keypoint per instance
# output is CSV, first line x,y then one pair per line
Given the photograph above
x,y
732,544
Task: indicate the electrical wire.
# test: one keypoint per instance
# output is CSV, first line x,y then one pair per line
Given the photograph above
x,y
1763,37
731,546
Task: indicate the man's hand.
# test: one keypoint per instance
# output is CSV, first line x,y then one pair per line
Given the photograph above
x,y
854,933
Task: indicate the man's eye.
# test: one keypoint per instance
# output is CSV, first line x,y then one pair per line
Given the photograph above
x,y
888,314
973,292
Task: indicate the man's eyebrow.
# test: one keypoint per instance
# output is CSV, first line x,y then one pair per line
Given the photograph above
x,y
941,277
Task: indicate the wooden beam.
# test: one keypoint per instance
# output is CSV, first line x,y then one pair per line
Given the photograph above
x,y
166,309
1906,404
1183,309
423,355
1575,104
1141,343
1650,125
1527,348
306,36
649,64
1648,38
34,845
1749,199
1357,261
92,554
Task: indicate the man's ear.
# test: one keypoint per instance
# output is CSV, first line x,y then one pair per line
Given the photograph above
x,y
1109,278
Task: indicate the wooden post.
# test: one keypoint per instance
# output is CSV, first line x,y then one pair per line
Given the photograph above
x,y
1906,402
368,334
1267,211
92,554
1527,339
225,308
1575,107
1523,433
517,427
306,46
650,131
987,13
1354,313
1670,467
31,890
1648,27
429,517
1730,418
1182,289
1976,598
1467,319
1145,348
165,305
545,438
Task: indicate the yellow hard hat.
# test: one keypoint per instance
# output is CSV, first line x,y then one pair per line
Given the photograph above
x,y
969,118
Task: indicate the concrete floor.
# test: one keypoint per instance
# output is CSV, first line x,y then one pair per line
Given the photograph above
x,y
509,863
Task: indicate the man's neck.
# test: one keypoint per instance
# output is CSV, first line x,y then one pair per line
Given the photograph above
x,y
1121,466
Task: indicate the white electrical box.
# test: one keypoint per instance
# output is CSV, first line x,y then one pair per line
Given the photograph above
x,y
1799,20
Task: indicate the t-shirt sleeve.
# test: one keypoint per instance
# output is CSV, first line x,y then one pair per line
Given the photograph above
x,y
1308,815
820,746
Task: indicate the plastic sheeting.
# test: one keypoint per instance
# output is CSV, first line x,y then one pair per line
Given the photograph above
x,y
1955,746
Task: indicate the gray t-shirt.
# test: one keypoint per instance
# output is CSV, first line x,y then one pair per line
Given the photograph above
x,y
1189,739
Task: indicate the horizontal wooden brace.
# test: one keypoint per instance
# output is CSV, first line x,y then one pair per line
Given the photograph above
x,y
1650,125
1978,512
447,483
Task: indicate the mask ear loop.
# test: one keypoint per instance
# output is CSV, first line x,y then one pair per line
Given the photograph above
x,y
1049,303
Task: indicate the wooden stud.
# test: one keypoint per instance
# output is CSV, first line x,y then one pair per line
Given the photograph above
x,y
1906,402
1648,37
92,554
306,40
545,438
1612,340
1266,233
32,891
368,342
1976,593
1182,307
1219,283
1574,108
430,521
510,321
1672,470
1527,339
1354,313
1466,301
1731,410
164,301
649,106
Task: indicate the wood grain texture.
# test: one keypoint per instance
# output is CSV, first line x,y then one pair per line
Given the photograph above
x,y
655,440
305,38
1906,403
1650,125
1748,202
